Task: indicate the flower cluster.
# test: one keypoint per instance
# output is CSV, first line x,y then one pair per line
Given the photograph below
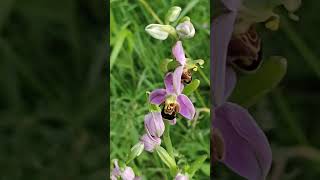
x,y
236,139
167,103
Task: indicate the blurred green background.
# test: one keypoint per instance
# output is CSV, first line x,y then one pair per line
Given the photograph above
x,y
134,60
53,89
290,113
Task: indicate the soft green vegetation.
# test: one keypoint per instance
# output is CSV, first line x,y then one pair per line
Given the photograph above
x,y
53,90
135,68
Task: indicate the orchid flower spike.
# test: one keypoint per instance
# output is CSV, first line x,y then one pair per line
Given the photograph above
x,y
171,97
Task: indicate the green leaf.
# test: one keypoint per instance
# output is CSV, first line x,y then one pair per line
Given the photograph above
x,y
118,45
196,165
190,88
250,88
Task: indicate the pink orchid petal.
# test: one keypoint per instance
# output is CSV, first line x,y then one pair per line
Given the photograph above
x,y
158,96
186,107
221,31
154,124
247,151
168,82
231,80
177,85
178,53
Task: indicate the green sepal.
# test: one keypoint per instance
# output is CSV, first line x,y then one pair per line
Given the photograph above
x,y
164,65
173,65
154,108
196,165
250,88
190,88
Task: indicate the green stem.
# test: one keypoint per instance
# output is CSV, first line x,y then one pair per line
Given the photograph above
x,y
151,11
167,139
301,46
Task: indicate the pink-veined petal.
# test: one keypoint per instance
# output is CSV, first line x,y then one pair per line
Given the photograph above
x,y
247,151
158,96
178,53
177,85
186,107
168,82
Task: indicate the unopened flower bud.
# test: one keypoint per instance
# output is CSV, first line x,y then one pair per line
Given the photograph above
x,y
166,158
159,31
150,143
154,124
292,5
173,13
181,177
185,29
128,174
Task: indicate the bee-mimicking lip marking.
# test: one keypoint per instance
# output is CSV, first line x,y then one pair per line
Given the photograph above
x,y
169,111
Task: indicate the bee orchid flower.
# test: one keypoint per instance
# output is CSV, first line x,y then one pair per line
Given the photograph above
x,y
171,97
238,141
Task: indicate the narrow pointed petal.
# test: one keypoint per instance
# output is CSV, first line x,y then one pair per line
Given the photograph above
x,y
157,96
178,53
186,107
247,151
231,80
168,82
221,31
177,85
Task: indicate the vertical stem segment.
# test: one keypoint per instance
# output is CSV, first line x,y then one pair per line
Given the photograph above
x,y
167,139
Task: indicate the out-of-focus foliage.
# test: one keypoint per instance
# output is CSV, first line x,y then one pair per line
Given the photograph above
x,y
53,89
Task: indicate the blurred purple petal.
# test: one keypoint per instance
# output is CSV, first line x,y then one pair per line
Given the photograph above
x,y
231,80
232,5
168,82
157,96
221,32
154,124
177,85
150,142
186,107
116,170
127,174
180,176
247,150
178,53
